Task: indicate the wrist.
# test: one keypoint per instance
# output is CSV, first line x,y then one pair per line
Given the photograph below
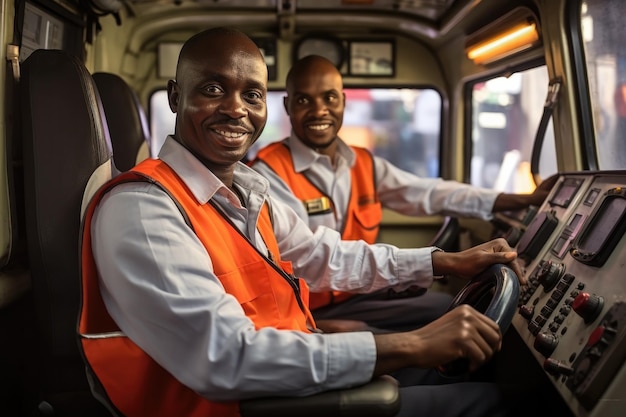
x,y
440,262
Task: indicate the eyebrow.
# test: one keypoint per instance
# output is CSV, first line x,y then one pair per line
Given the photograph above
x,y
221,79
259,85
329,91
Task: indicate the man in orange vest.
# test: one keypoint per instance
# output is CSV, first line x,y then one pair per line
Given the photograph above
x,y
190,300
329,183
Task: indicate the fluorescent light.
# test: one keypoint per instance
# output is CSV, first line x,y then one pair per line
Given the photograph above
x,y
518,38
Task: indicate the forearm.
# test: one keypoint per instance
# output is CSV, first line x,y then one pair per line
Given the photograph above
x,y
395,351
506,202
414,196
328,262
519,201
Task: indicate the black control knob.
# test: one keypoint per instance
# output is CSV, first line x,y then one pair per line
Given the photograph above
x,y
527,312
545,343
588,306
550,273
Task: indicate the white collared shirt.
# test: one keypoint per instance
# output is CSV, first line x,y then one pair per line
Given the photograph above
x,y
398,190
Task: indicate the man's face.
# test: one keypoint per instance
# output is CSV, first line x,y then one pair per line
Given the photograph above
x,y
315,103
220,101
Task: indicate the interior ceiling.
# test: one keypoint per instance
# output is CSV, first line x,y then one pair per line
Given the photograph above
x,y
432,10
428,10
430,19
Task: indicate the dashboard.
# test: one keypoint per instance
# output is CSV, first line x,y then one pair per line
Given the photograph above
x,y
572,314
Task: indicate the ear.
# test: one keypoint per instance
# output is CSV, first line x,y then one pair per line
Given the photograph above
x,y
173,94
285,104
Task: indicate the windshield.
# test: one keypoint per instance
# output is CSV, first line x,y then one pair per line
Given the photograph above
x,y
402,125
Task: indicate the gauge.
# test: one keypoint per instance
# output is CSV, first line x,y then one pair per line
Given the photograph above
x,y
328,47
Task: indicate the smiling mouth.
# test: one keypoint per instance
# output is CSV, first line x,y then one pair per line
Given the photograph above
x,y
319,127
231,135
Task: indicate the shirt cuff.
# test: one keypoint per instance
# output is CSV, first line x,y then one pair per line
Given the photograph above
x,y
415,266
434,249
351,358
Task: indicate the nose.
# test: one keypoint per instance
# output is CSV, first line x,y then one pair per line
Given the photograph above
x,y
233,106
319,107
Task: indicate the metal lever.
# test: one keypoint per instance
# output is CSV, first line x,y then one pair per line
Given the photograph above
x,y
13,55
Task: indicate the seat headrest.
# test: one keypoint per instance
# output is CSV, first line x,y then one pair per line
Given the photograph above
x,y
126,119
64,141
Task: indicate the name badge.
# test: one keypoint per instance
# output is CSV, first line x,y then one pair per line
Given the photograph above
x,y
317,206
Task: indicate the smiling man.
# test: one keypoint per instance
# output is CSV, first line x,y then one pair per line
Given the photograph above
x,y
218,118
312,84
345,188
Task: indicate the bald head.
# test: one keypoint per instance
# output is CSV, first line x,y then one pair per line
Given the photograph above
x,y
309,66
215,41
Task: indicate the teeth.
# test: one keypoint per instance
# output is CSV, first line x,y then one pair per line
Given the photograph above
x,y
319,127
230,134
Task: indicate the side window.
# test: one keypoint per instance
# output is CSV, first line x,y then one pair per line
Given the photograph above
x,y
401,125
603,31
506,112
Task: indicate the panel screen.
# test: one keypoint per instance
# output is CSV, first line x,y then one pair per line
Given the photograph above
x,y
603,231
566,192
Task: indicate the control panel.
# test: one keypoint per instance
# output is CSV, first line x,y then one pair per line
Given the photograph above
x,y
572,314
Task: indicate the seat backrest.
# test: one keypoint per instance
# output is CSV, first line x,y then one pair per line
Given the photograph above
x,y
64,141
126,119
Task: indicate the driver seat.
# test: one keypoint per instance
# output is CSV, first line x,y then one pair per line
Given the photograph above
x,y
63,142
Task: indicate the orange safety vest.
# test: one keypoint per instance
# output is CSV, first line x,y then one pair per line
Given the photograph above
x,y
132,381
364,214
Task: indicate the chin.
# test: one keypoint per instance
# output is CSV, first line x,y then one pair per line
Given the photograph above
x,y
321,143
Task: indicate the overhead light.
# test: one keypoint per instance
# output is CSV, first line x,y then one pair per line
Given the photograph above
x,y
507,36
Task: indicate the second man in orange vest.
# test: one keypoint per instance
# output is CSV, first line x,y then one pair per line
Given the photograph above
x,y
345,188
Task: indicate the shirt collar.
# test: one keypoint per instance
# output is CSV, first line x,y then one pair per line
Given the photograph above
x,y
200,180
304,157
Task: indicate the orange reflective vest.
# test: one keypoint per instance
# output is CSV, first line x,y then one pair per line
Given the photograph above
x,y
134,383
364,213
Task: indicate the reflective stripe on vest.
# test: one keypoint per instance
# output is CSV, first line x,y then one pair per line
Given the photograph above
x,y
130,378
364,213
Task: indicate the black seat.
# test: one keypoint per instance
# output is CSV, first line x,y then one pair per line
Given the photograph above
x,y
126,120
64,142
